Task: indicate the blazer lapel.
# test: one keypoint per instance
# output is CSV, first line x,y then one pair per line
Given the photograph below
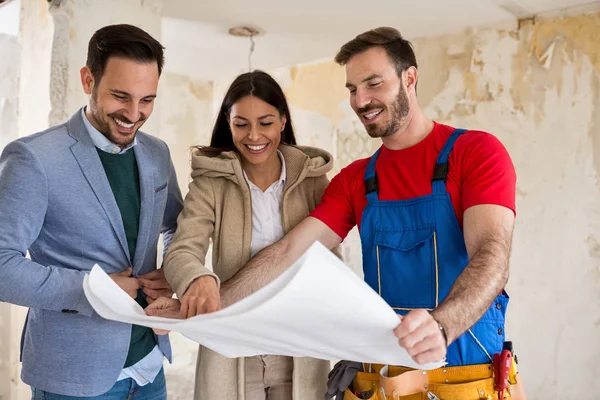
x,y
144,157
86,155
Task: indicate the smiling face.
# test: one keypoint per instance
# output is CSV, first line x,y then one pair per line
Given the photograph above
x,y
123,99
377,94
256,129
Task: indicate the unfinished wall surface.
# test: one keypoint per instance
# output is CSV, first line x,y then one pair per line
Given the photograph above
x,y
537,89
10,60
25,79
36,32
9,71
184,119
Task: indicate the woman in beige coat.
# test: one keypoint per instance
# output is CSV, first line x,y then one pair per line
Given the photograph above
x,y
249,188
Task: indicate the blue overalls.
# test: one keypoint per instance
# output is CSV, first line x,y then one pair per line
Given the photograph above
x,y
413,251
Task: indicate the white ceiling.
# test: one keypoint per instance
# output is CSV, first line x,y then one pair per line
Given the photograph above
x,y
9,17
198,45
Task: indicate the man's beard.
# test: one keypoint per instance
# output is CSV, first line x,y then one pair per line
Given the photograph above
x,y
398,110
102,122
102,125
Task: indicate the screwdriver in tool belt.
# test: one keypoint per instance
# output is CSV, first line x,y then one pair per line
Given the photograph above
x,y
502,365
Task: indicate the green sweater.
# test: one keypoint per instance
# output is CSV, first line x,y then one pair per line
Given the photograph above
x,y
123,176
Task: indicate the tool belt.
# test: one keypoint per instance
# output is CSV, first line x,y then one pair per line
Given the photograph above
x,y
471,382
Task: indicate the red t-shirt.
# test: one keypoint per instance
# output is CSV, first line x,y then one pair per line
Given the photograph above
x,y
480,171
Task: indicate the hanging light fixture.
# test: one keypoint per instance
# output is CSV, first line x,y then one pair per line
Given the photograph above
x,y
249,32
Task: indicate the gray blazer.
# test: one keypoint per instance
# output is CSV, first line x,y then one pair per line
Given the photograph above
x,y
56,202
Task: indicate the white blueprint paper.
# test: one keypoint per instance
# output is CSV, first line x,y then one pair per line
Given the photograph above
x,y
317,308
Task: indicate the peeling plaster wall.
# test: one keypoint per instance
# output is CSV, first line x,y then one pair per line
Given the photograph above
x,y
10,53
36,29
10,60
185,119
25,63
536,87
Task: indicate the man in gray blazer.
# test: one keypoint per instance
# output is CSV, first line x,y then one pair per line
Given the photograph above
x,y
91,190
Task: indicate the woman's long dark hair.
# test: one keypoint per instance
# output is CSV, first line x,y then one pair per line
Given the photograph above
x,y
261,85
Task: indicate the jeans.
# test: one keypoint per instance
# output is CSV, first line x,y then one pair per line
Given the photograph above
x,y
124,389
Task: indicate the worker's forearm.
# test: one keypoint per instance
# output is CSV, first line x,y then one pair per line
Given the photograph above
x,y
265,266
475,289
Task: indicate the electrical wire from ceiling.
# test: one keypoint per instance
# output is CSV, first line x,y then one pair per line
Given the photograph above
x,y
249,32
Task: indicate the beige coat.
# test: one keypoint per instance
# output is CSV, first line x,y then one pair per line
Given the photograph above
x,y
219,206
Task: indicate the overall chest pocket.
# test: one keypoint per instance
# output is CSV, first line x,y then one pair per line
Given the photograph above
x,y
407,267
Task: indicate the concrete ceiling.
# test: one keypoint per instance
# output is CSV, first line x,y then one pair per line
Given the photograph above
x,y
198,45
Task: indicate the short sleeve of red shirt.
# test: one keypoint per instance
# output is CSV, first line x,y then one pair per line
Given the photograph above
x,y
486,170
337,208
480,172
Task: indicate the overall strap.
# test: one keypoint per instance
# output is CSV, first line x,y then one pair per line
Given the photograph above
x,y
440,172
371,184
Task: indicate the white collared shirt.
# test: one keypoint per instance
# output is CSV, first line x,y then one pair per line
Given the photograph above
x,y
267,227
145,370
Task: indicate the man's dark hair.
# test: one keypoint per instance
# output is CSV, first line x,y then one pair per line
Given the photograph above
x,y
125,41
398,49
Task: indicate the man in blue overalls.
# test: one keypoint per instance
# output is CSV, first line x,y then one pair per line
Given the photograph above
x,y
435,207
